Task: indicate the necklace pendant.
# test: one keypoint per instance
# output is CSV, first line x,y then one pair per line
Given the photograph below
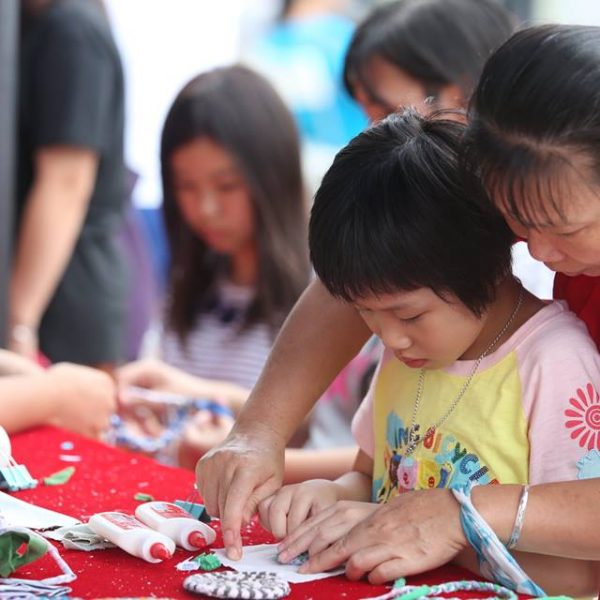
x,y
406,473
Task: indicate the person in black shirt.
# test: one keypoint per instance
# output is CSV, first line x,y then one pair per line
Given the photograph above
x,y
67,291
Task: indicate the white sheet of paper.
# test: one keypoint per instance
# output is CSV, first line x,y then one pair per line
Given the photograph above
x,y
264,558
19,513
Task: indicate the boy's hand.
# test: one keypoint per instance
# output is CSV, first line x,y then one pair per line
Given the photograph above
x,y
283,512
325,528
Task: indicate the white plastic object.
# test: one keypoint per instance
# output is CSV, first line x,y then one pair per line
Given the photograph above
x,y
5,448
132,536
174,522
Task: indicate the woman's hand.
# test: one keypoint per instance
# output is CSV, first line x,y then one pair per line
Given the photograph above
x,y
325,528
234,477
283,512
413,533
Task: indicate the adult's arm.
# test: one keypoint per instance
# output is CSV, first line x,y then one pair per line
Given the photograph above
x,y
73,397
319,338
562,519
54,213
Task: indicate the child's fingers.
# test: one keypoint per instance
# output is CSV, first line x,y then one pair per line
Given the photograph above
x,y
299,512
278,512
296,542
263,512
315,539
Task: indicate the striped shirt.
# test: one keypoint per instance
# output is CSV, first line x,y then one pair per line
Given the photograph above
x,y
216,348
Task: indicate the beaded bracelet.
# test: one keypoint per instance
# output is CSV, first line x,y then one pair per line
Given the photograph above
x,y
516,532
423,592
495,562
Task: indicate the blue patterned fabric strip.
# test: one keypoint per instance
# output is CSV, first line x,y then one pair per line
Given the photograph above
x,y
495,562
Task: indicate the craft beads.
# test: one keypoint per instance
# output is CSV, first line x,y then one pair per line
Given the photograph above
x,y
251,586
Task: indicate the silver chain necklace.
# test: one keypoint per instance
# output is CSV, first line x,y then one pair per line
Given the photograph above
x,y
414,438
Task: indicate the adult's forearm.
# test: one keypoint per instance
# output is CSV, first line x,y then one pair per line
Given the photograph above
x,y
26,401
319,338
45,245
54,213
561,519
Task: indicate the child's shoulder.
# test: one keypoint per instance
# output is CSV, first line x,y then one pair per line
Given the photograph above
x,y
554,330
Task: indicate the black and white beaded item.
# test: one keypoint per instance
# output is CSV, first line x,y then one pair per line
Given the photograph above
x,y
228,584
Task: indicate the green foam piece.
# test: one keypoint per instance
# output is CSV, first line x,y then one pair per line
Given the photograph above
x,y
400,582
142,497
207,561
60,477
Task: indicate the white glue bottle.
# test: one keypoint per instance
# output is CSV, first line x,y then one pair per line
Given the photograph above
x,y
174,522
132,536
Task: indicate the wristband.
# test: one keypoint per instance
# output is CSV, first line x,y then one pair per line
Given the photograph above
x,y
516,532
495,562
24,334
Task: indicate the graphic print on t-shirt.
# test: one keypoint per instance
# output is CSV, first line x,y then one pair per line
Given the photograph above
x,y
440,461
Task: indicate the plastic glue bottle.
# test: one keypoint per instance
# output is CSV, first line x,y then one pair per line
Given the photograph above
x,y
132,536
174,522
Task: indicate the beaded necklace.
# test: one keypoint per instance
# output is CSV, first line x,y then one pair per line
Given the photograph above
x,y
414,438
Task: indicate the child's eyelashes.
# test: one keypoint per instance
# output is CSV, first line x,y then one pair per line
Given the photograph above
x,y
410,319
567,234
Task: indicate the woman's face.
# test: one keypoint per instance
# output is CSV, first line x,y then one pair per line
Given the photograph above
x,y
569,243
392,89
213,196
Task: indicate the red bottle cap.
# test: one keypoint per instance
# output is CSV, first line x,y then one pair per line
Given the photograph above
x,y
159,551
196,539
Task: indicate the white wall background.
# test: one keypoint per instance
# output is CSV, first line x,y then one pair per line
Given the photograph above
x,y
582,12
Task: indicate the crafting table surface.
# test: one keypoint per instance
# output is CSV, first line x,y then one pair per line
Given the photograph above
x,y
107,479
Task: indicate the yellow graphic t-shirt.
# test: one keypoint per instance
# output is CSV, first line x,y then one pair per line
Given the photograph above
x,y
511,426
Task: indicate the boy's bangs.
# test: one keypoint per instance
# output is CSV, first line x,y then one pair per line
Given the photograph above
x,y
363,260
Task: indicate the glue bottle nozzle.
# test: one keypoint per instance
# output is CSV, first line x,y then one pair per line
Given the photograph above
x,y
159,551
196,539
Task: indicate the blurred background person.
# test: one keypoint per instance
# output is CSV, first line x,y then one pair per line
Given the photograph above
x,y
302,53
235,212
235,215
429,54
67,290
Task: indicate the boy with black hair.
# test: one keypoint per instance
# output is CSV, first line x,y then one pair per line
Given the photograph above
x,y
466,391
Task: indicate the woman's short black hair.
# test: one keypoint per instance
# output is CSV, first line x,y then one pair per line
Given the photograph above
x,y
392,214
438,42
239,110
535,110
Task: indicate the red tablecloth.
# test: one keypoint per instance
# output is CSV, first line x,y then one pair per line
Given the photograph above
x,y
107,479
